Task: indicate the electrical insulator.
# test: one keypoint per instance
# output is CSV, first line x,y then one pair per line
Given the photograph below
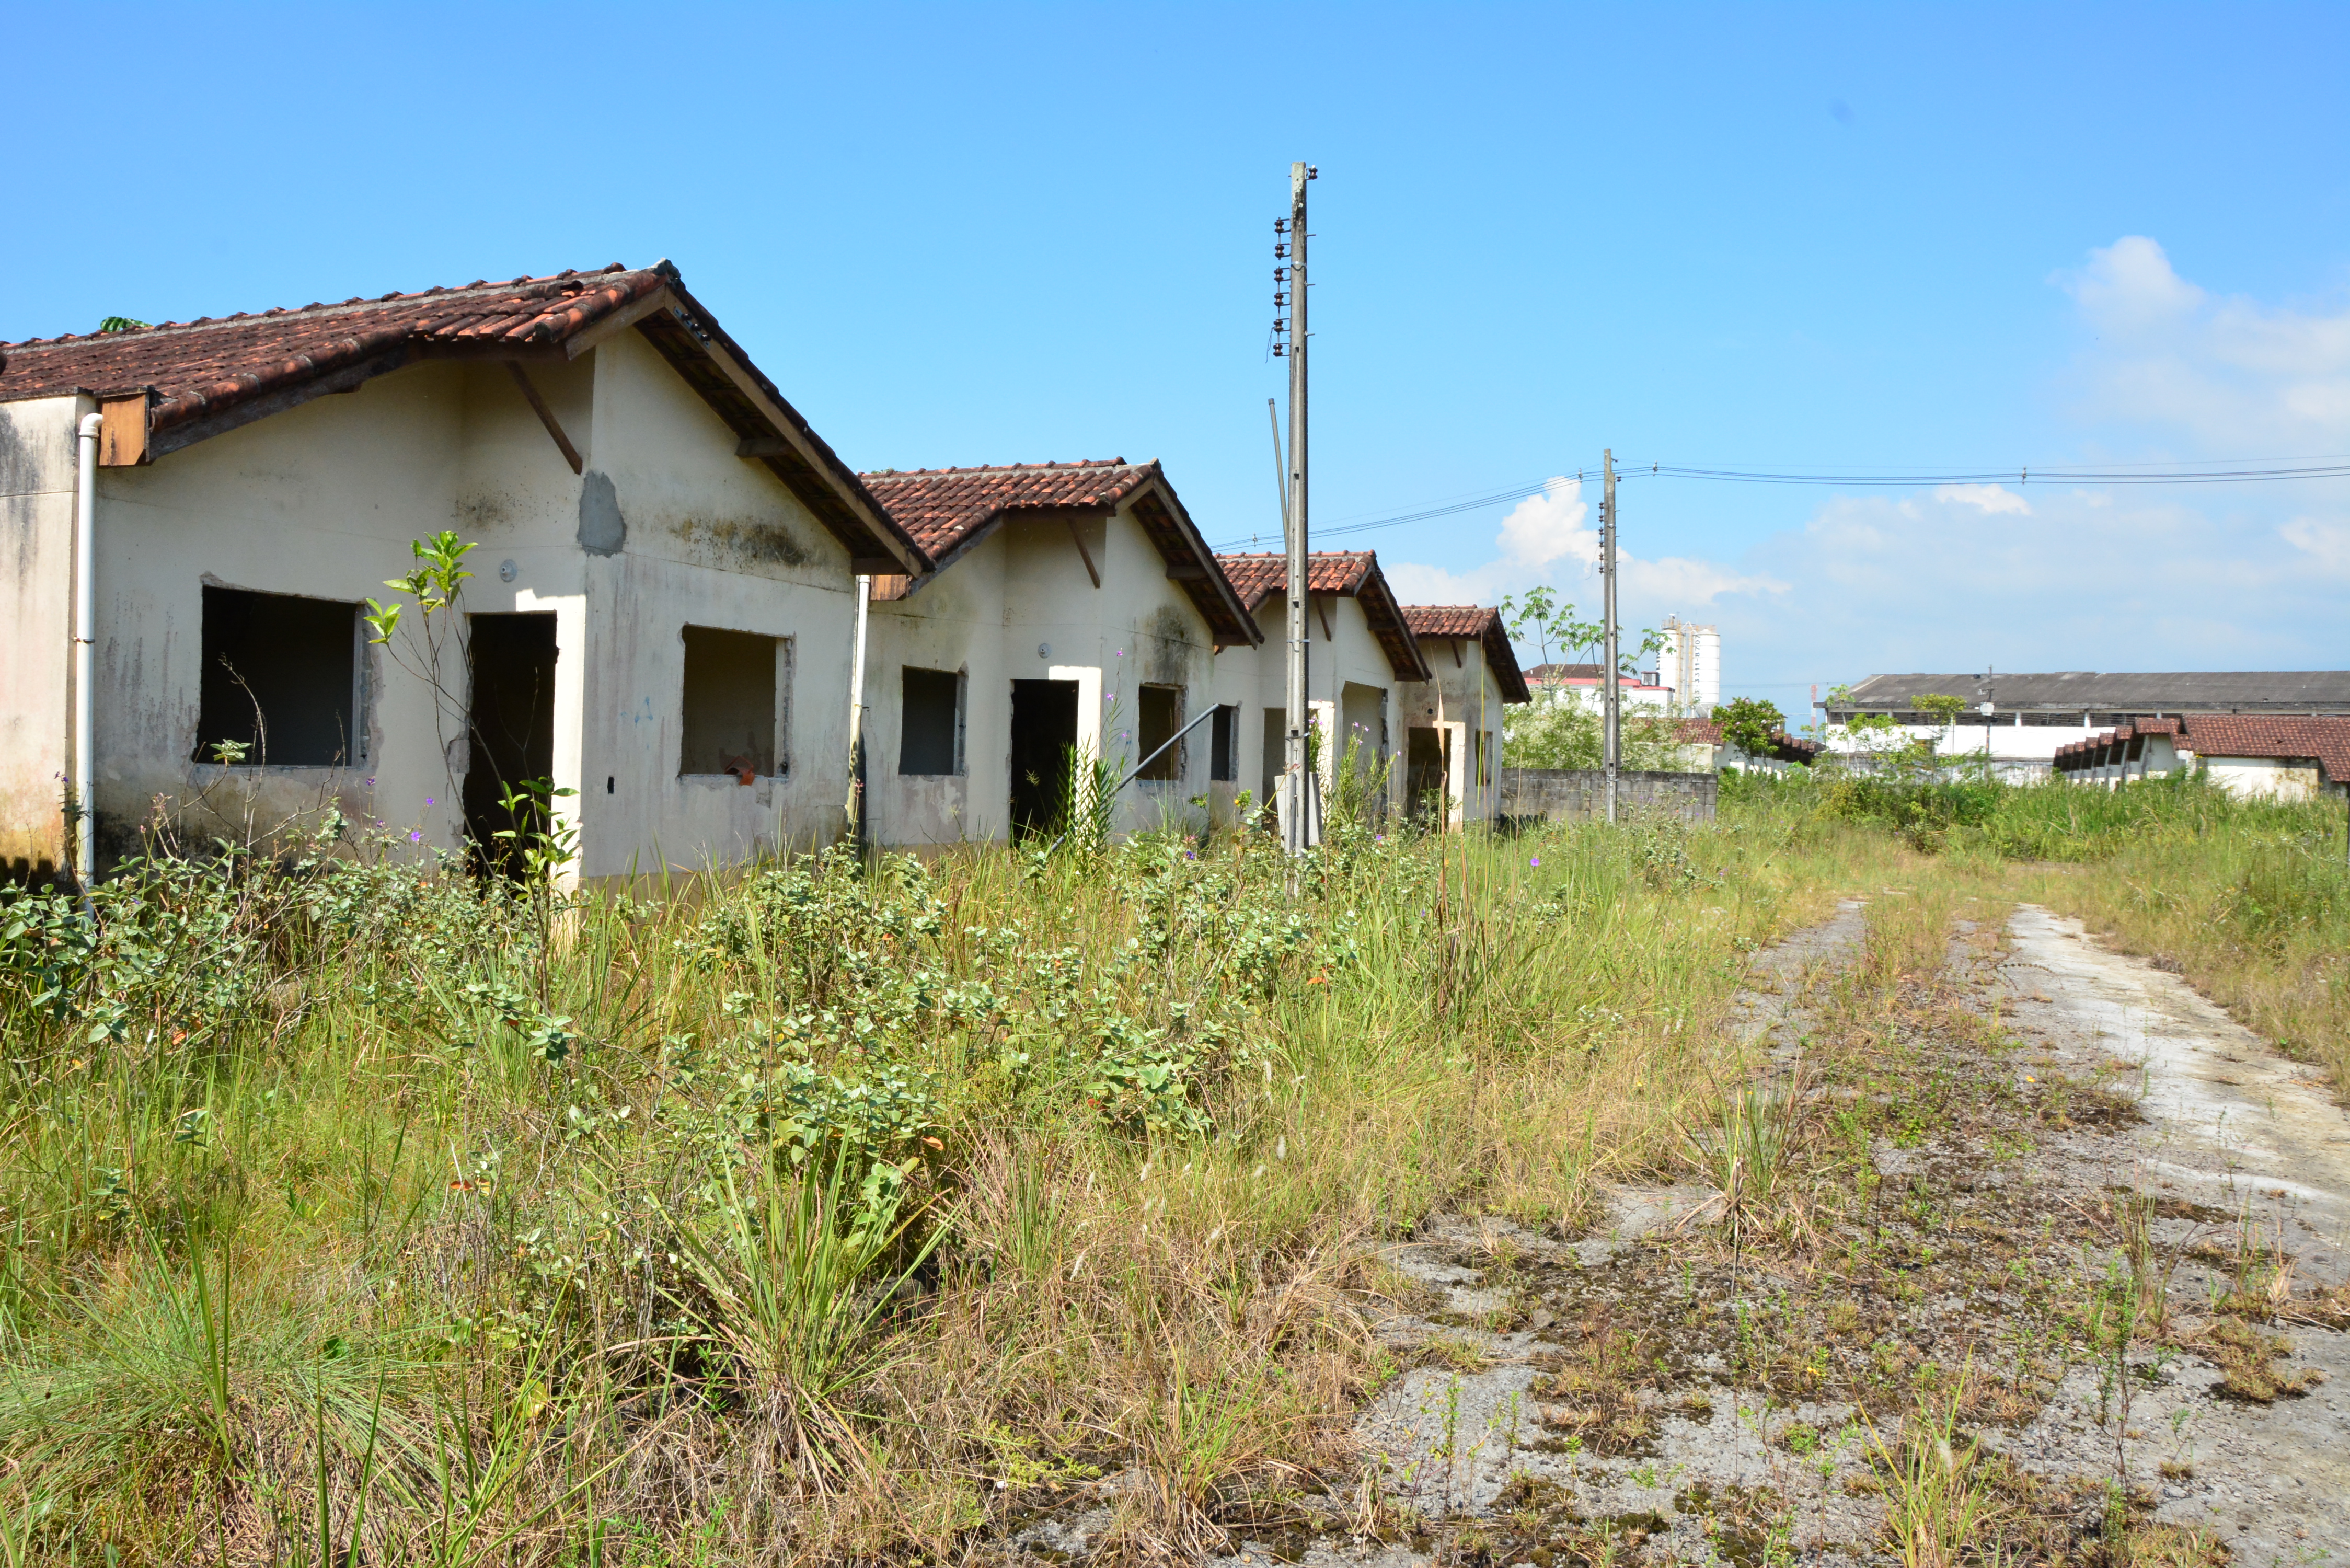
x,y
1279,300
1281,250
1278,350
1281,274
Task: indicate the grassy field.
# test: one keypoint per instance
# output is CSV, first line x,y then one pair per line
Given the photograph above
x,y
2250,900
838,1214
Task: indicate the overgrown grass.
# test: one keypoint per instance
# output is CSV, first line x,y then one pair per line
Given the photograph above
x,y
830,1212
2249,900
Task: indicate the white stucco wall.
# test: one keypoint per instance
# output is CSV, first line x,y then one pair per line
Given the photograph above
x,y
1024,588
323,501
2270,778
36,503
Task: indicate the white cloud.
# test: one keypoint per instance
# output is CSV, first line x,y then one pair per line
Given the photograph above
x,y
2131,579
1547,535
2328,542
2130,287
1985,498
1545,527
2236,377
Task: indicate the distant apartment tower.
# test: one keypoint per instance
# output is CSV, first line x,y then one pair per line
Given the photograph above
x,y
1691,663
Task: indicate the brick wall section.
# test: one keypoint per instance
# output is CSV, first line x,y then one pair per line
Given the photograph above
x,y
1567,794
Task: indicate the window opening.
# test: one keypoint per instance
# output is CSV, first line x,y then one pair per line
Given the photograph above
x,y
1160,717
930,716
281,680
730,717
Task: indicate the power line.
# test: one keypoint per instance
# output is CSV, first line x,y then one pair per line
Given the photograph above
x,y
2118,475
2024,476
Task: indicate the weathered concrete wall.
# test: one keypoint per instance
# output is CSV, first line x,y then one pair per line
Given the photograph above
x,y
36,503
2263,778
1022,588
1464,700
1566,794
711,541
666,527
1350,686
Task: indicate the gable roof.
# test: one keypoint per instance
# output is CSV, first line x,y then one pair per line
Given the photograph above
x,y
2325,740
1484,624
948,511
194,379
1347,574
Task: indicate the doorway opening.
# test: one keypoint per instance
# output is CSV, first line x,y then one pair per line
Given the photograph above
x,y
510,733
1044,739
1428,773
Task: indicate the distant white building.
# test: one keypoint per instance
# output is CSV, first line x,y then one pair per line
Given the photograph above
x,y
2018,724
1636,689
1691,663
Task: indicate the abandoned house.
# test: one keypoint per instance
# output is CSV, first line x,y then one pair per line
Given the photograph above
x,y
1065,610
1452,721
2273,756
659,618
1359,652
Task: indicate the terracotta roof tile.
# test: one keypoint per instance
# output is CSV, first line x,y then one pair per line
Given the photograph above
x,y
1483,623
946,511
1347,574
203,365
212,374
946,508
2324,739
1258,577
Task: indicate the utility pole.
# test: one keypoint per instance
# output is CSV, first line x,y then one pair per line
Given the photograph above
x,y
1302,821
1612,699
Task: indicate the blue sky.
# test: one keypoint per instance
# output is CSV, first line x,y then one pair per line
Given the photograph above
x,y
1782,237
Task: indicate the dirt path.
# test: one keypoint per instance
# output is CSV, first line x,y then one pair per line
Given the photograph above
x,y
2237,1139
1983,1166
1644,1394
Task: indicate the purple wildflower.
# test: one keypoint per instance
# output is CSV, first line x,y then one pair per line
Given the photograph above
x,y
415,838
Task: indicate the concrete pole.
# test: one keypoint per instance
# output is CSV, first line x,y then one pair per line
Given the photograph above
x,y
1612,698
1299,834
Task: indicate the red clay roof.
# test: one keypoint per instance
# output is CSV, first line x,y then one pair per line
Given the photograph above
x,y
211,374
2324,739
202,366
1483,623
1347,574
945,508
946,511
1257,576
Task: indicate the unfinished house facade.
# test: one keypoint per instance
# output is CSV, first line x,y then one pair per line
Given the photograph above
x,y
1359,653
1065,610
659,619
1452,735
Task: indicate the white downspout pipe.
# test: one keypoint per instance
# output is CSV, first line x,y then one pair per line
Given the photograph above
x,y
857,827
85,617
